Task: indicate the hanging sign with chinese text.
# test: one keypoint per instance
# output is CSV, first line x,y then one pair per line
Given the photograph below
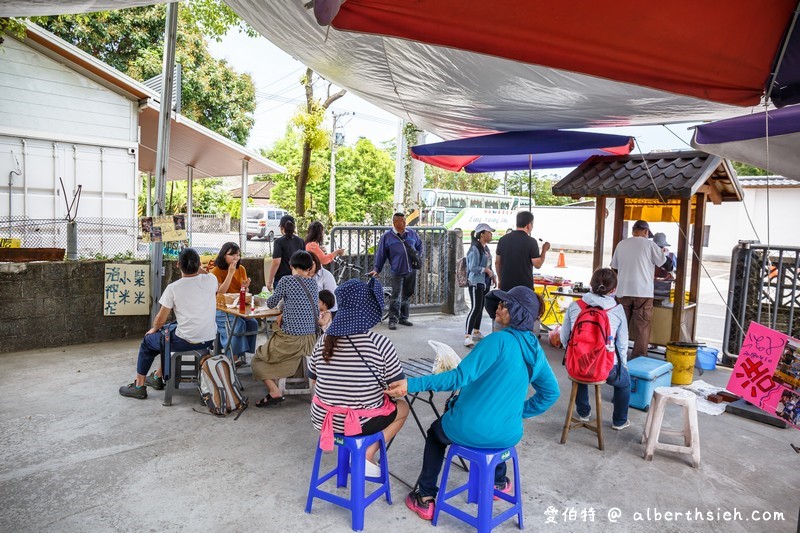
x,y
127,290
163,229
767,373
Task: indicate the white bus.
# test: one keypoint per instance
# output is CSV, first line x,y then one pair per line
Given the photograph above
x,y
465,210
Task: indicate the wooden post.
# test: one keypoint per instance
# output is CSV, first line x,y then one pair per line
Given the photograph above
x,y
619,215
680,276
698,236
599,232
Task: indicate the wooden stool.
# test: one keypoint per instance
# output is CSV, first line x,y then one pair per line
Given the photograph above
x,y
690,432
572,422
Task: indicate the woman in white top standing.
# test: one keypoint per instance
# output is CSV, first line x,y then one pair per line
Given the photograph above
x,y
481,277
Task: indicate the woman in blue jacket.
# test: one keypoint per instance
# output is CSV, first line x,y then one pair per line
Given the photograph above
x,y
481,277
493,401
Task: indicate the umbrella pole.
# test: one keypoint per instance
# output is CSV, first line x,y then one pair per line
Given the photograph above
x,y
530,182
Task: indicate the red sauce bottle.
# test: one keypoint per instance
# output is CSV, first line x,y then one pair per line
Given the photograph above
x,y
242,299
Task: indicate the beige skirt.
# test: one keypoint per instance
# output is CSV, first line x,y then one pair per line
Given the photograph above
x,y
282,354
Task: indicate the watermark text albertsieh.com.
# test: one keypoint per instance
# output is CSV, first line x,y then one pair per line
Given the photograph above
x,y
556,515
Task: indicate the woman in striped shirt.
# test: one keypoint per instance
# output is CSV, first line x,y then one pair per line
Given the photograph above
x,y
352,366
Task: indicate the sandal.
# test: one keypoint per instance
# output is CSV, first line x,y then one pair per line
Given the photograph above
x,y
269,401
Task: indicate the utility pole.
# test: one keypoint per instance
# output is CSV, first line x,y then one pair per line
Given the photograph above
x,y
334,143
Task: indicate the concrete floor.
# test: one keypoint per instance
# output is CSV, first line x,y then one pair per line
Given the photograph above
x,y
76,456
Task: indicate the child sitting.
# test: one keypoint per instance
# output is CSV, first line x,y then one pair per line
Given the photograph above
x,y
326,302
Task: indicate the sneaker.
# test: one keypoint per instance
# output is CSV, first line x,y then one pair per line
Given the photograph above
x,y
153,381
505,487
405,322
423,509
132,391
584,418
468,342
477,336
371,469
392,324
622,426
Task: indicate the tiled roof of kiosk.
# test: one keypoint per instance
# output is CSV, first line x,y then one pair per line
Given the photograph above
x,y
655,175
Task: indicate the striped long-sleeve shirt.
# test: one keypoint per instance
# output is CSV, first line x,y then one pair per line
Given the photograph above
x,y
347,380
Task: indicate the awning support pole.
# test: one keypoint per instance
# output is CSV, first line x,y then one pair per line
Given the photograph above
x,y
162,150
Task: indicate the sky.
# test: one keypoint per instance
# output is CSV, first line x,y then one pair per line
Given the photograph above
x,y
278,92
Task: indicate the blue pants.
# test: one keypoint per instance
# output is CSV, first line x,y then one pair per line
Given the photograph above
x,y
153,344
621,399
239,345
433,457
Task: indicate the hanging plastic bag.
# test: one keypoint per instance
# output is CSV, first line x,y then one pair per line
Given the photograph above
x,y
446,357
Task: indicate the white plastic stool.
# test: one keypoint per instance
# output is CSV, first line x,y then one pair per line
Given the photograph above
x,y
690,432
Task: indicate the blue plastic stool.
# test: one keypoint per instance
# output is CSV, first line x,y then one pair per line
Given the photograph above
x,y
352,454
480,487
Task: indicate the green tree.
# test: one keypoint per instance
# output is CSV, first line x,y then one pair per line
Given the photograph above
x,y
743,169
541,188
364,179
308,122
132,41
365,182
439,178
209,196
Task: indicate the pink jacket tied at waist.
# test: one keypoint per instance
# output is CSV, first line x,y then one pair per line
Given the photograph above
x,y
352,424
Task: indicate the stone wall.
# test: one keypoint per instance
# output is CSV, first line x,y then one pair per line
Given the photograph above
x,y
47,304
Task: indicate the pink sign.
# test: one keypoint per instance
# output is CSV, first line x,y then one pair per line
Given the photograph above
x,y
767,373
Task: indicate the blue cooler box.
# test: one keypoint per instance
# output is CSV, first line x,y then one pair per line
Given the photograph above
x,y
647,374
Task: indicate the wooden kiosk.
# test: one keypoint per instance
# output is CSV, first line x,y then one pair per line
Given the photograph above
x,y
658,187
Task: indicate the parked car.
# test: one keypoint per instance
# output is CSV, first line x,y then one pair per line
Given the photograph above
x,y
263,222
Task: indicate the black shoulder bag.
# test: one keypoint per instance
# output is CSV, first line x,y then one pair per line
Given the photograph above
x,y
413,258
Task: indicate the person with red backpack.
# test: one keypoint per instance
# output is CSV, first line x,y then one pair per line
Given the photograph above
x,y
595,334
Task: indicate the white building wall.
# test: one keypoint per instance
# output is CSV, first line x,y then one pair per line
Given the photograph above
x,y
572,228
57,124
41,96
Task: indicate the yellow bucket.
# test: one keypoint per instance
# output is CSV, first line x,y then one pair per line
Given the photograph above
x,y
682,359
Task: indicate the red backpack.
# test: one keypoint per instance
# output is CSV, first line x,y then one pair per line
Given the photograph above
x,y
588,358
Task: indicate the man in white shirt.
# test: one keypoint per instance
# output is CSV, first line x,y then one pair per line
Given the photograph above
x,y
635,259
193,298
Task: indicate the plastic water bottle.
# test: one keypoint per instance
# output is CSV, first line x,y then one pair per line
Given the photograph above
x,y
610,344
242,299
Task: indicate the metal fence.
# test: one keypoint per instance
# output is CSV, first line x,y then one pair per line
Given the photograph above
x,y
117,237
360,242
763,288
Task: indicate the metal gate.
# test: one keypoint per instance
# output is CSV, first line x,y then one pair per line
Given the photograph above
x,y
763,288
360,243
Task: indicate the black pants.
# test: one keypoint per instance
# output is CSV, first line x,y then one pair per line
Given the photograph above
x,y
476,295
402,289
433,457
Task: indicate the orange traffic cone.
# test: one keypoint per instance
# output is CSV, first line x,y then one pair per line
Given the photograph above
x,y
562,263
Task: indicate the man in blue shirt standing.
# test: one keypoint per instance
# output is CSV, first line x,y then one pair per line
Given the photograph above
x,y
493,401
403,249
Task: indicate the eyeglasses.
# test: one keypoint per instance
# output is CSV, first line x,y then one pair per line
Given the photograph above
x,y
501,305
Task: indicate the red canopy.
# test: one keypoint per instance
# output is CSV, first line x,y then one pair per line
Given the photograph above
x,y
718,50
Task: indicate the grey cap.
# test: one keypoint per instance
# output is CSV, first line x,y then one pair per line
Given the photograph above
x,y
483,226
661,240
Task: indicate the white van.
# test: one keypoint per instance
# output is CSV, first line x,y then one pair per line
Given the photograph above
x,y
263,222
